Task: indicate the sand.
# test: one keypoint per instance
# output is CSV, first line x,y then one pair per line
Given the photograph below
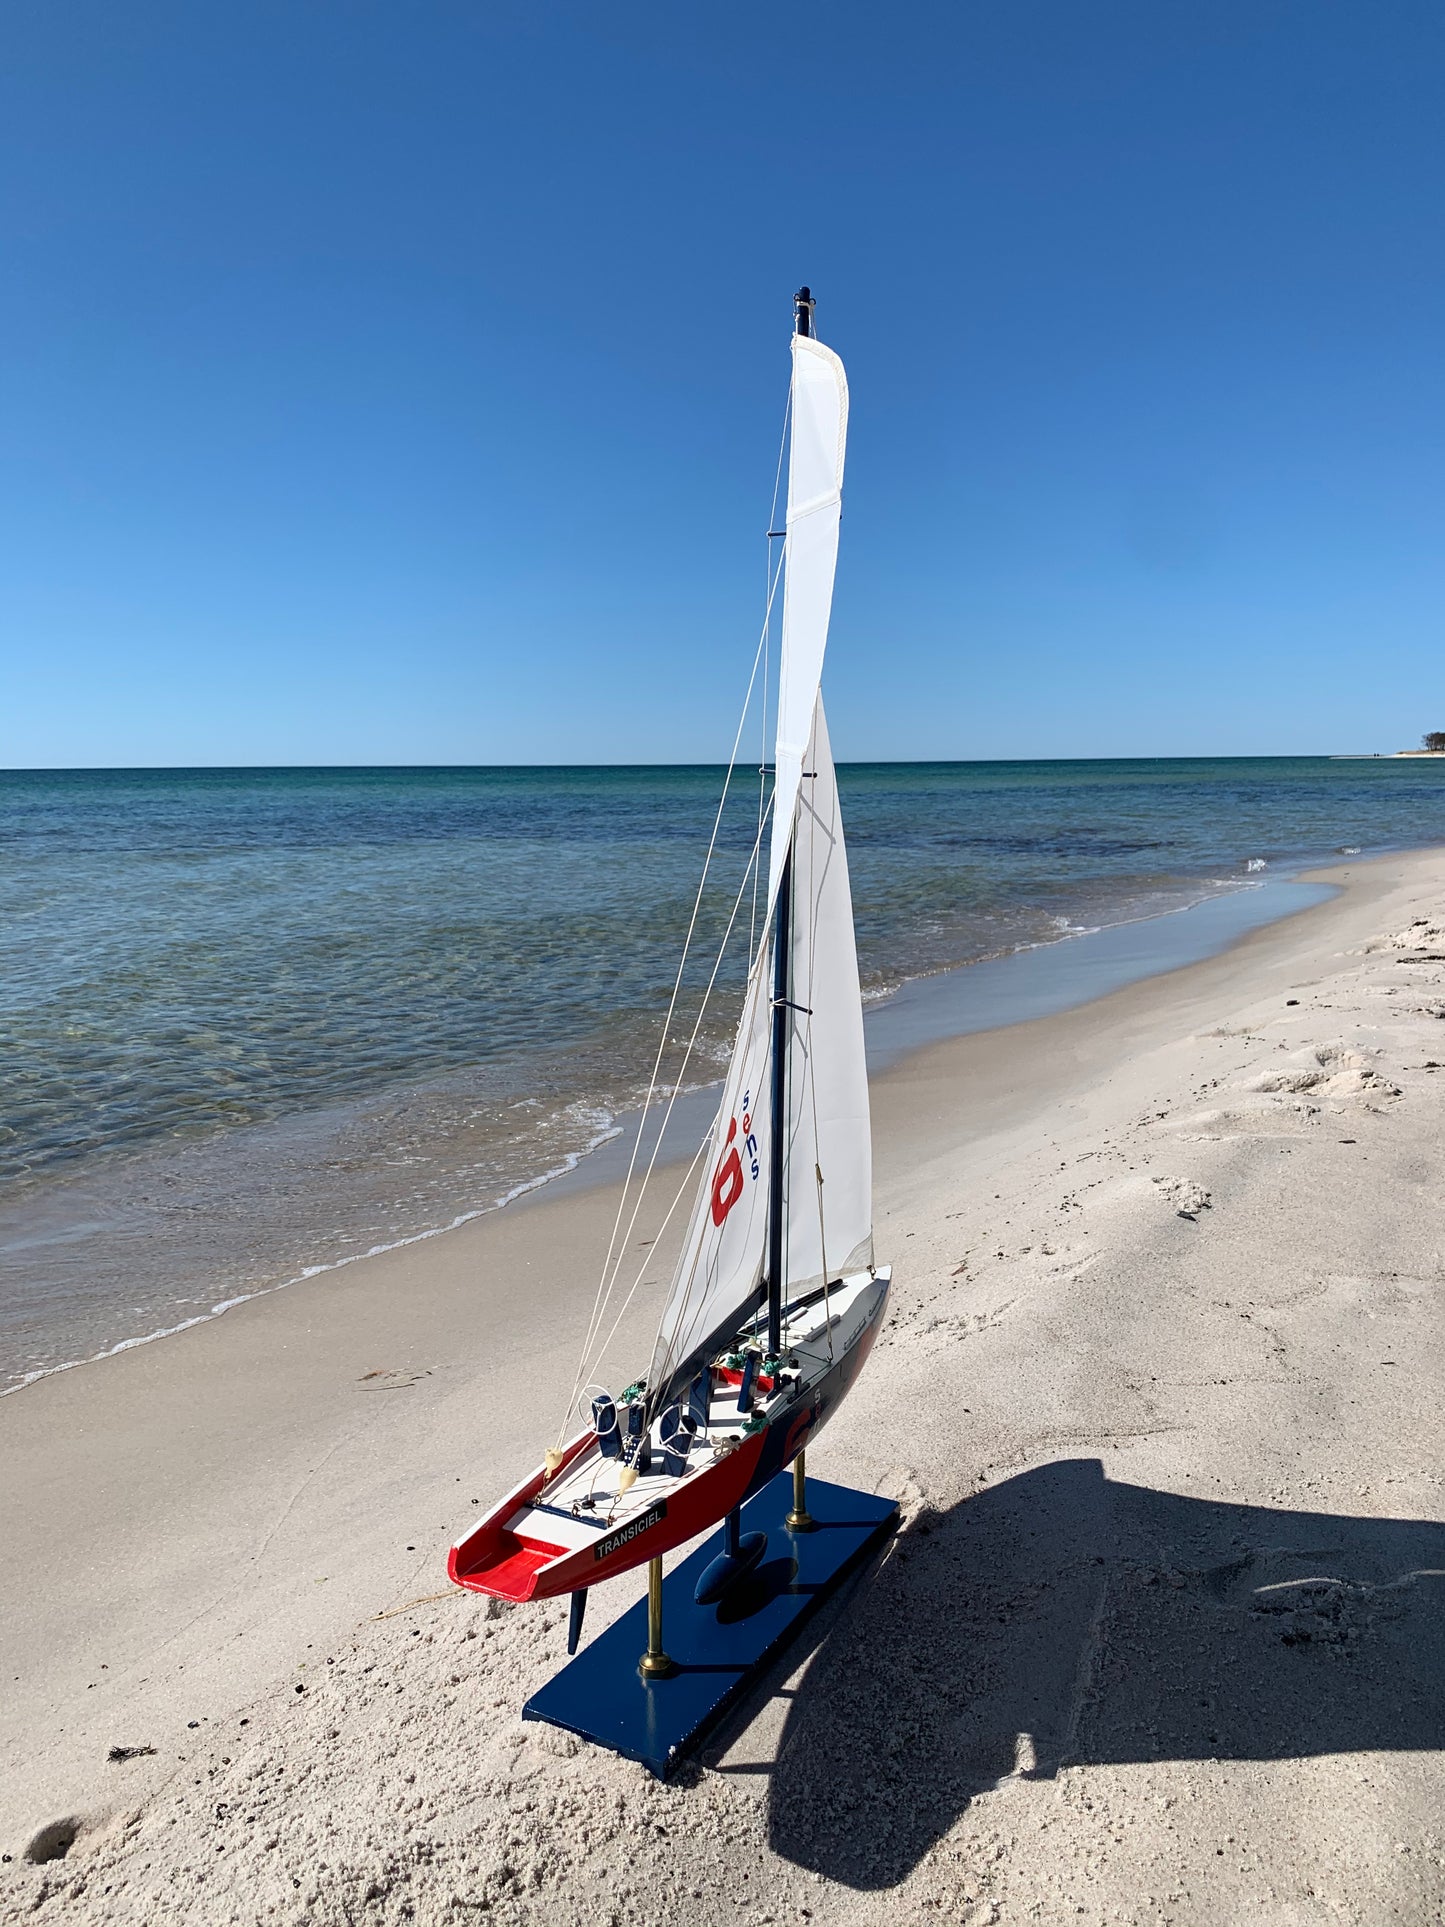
x,y
1161,1636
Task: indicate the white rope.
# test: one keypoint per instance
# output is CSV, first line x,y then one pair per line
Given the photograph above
x,y
763,747
677,1200
683,1334
682,1072
686,1326
612,1265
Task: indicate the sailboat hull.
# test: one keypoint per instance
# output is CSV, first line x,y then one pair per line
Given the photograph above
x,y
527,1548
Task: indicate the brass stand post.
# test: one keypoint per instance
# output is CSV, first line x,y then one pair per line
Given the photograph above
x,y
654,1663
798,1520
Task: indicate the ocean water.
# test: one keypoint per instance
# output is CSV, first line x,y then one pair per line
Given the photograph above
x,y
255,1022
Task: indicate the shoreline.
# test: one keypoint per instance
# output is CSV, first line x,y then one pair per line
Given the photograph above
x,y
1076,1207
992,992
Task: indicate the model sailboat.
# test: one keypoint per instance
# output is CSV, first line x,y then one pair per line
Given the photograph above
x,y
776,1299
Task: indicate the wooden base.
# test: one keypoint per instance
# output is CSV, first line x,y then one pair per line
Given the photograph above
x,y
717,1652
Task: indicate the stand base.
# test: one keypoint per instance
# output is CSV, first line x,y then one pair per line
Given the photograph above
x,y
718,1651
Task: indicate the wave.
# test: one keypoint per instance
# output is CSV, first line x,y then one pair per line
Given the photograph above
x,y
569,1163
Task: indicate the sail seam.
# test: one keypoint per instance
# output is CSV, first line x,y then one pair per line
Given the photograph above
x,y
814,506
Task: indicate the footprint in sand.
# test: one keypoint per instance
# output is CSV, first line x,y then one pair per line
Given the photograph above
x,y
1424,937
1185,1198
1327,1070
1290,1099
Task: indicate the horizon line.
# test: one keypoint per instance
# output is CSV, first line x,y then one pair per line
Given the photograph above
x,y
852,762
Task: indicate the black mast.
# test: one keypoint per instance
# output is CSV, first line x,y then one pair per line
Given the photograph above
x,y
782,931
781,946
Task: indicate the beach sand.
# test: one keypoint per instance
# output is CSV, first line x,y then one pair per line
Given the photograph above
x,y
1160,1638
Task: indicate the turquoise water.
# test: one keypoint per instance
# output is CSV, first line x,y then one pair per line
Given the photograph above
x,y
256,1020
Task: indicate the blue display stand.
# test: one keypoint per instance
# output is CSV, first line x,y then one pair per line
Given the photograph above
x,y
718,1651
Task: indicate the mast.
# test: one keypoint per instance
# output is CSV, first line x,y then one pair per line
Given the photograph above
x,y
803,306
782,947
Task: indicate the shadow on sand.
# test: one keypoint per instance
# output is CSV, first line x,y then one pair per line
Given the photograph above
x,y
1061,1618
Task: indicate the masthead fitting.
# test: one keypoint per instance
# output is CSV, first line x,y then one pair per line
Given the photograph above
x,y
803,305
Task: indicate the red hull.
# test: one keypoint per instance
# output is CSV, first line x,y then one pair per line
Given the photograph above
x,y
538,1564
493,1560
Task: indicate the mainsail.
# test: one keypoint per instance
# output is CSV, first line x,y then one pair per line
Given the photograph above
x,y
827,1163
815,506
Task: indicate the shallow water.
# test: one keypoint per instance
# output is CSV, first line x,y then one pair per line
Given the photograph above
x,y
259,1021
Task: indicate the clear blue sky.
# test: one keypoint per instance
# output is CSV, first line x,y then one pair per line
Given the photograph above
x,y
402,383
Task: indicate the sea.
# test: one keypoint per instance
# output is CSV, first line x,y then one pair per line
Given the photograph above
x,y
257,1023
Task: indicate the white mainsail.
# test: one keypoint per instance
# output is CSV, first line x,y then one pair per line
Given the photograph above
x,y
828,1157
815,506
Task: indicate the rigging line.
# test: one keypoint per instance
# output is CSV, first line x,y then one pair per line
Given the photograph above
x,y
681,1073
604,1288
606,1283
770,578
632,1292
686,1059
778,471
763,744
688,1050
686,1328
687,1325
612,1264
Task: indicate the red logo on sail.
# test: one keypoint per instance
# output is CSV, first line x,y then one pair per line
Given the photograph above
x,y
727,1184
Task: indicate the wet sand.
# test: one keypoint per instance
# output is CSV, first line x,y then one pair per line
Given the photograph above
x,y
1160,1638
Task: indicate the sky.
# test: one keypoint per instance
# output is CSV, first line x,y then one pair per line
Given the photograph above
x,y
403,384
